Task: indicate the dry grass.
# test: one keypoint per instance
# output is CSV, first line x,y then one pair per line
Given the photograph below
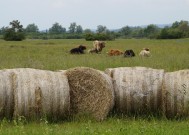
x,y
91,92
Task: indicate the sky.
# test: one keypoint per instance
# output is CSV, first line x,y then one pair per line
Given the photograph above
x,y
113,14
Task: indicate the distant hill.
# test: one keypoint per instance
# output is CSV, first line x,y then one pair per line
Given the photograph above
x,y
163,25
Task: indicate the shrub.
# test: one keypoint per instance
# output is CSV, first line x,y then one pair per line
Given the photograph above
x,y
15,32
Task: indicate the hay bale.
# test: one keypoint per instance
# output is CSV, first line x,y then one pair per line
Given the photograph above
x,y
176,94
109,72
40,93
137,89
91,92
6,94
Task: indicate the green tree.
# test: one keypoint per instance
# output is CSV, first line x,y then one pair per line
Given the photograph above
x,y
126,31
151,31
164,34
184,28
88,31
101,29
72,28
57,29
175,24
89,36
137,32
32,28
177,30
79,29
2,30
15,32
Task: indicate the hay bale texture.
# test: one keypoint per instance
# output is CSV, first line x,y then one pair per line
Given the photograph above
x,y
91,92
6,94
176,94
40,93
137,89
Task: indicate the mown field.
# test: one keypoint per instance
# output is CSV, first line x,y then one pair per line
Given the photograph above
x,y
170,55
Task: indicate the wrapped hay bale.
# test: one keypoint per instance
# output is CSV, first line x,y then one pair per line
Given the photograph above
x,y
6,94
40,93
137,89
91,92
176,94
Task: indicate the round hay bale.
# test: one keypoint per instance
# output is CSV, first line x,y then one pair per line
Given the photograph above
x,y
91,92
137,89
6,94
176,94
40,93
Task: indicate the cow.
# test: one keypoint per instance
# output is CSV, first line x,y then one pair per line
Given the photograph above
x,y
129,53
79,50
97,46
93,50
145,52
114,52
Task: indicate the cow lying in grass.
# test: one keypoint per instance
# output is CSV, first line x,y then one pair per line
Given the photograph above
x,y
78,50
129,53
114,52
145,52
97,46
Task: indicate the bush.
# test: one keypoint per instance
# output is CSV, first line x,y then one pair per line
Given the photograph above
x,y
170,34
11,35
15,32
99,36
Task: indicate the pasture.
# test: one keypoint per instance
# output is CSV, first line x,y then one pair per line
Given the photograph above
x,y
170,55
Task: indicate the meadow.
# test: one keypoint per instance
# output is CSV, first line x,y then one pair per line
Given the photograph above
x,y
171,55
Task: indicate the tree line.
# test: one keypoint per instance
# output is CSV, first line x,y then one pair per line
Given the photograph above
x,y
16,32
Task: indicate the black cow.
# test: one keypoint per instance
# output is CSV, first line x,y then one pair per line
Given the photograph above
x,y
78,50
129,53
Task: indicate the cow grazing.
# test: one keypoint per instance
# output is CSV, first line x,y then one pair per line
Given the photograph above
x,y
97,46
129,53
114,52
145,52
78,50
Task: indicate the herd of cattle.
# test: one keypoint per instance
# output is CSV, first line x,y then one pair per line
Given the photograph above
x,y
99,45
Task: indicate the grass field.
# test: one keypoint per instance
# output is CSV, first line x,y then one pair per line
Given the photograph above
x,y
170,55
53,55
112,126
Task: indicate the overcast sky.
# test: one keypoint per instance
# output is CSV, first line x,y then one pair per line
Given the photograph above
x,y
90,13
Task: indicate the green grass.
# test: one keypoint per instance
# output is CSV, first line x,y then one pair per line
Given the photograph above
x,y
170,55
111,126
53,55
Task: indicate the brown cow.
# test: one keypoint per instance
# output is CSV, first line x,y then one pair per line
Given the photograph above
x,y
114,52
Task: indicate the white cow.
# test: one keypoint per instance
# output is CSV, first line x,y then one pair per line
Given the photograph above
x,y
97,46
145,52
